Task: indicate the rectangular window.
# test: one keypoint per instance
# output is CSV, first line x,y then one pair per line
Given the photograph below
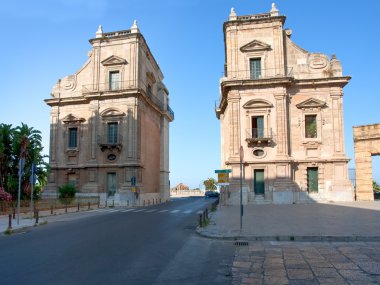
x,y
114,80
112,133
258,127
72,179
255,68
311,126
73,137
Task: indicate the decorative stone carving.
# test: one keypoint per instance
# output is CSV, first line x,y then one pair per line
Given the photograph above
x,y
71,119
311,103
255,45
69,83
112,112
318,61
233,15
257,103
114,60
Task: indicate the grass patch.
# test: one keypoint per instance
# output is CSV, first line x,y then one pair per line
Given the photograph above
x,y
8,232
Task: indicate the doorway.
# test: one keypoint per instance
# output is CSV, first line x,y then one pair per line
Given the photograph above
x,y
312,179
111,184
258,181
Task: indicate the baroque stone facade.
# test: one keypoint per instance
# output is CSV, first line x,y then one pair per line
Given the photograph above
x,y
283,105
110,123
367,144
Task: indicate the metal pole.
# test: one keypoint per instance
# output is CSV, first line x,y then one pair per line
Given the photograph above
x,y
241,187
241,195
21,166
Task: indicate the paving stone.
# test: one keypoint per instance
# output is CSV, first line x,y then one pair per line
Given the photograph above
x,y
346,265
300,274
335,281
303,282
252,281
325,272
355,275
272,280
370,267
275,272
242,264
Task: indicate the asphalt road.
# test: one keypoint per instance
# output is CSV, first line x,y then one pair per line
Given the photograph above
x,y
150,245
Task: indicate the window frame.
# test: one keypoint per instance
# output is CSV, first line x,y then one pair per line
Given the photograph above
x,y
311,134
114,137
254,69
114,85
70,140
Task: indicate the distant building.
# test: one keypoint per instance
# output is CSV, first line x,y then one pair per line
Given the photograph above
x,y
284,106
181,186
110,123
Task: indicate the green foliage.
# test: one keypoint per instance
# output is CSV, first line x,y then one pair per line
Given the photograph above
x,y
311,130
210,184
67,193
376,187
12,141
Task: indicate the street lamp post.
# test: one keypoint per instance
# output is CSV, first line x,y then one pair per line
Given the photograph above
x,y
241,186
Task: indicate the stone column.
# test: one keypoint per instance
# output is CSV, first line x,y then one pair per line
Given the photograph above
x,y
281,123
235,140
337,120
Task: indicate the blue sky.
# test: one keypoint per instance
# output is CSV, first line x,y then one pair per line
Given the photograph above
x,y
42,41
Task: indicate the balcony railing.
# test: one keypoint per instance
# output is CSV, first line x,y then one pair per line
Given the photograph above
x,y
259,135
257,74
124,86
115,86
110,142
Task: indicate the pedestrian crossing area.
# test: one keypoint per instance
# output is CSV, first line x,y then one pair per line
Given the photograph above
x,y
147,211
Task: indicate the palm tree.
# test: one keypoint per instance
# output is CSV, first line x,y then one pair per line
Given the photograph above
x,y
210,184
27,144
6,138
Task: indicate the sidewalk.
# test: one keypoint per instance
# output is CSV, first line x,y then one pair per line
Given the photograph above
x,y
26,220
351,221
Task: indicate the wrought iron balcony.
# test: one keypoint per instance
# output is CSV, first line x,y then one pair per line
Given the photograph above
x,y
115,86
269,73
110,142
258,136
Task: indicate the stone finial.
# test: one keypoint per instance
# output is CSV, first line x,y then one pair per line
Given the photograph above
x,y
288,32
274,10
333,56
135,28
99,32
232,15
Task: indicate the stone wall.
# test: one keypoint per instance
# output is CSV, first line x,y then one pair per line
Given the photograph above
x,y
366,144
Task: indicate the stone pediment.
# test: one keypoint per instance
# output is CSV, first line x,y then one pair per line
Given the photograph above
x,y
114,60
255,45
151,77
311,103
70,118
111,112
257,104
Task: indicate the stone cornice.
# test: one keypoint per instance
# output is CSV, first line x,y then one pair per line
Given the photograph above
x,y
257,19
330,81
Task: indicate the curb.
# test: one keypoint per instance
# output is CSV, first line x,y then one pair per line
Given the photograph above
x,y
289,238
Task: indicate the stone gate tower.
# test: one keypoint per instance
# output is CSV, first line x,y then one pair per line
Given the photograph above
x,y
110,123
284,106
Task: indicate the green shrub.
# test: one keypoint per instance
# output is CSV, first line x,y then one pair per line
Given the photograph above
x,y
67,193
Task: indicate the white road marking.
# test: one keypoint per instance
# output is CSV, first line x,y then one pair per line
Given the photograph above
x,y
188,212
142,210
127,210
174,211
150,211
